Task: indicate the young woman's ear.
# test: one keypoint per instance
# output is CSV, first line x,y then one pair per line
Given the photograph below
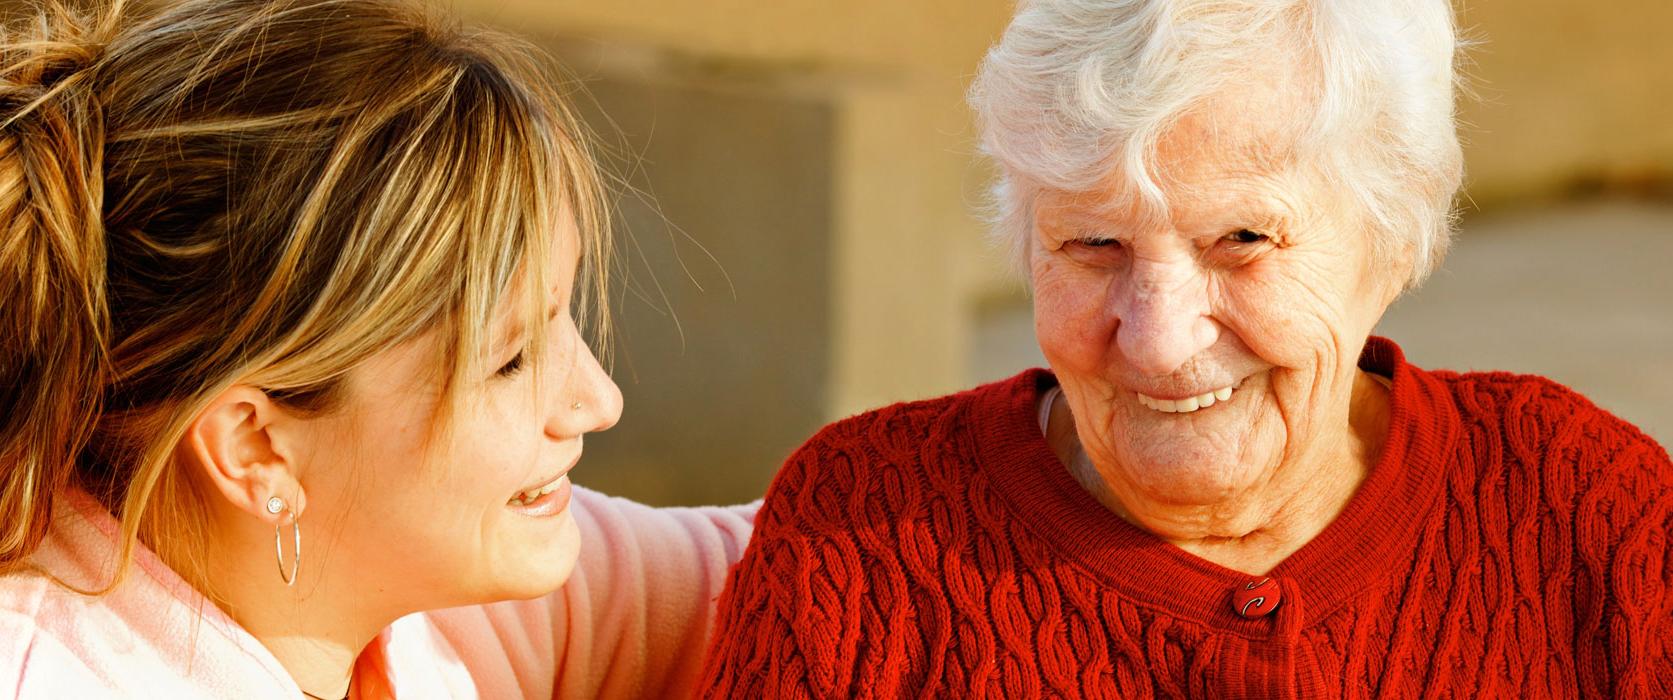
x,y
239,444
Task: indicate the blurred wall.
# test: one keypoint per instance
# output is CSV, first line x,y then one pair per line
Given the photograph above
x,y
1573,98
724,303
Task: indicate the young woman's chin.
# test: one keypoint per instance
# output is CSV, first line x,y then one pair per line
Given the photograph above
x,y
544,558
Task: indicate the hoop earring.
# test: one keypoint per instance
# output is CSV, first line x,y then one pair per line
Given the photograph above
x,y
275,505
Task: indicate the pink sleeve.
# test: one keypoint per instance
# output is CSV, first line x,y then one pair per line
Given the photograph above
x,y
633,620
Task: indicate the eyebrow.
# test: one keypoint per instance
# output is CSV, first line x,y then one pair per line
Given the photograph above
x,y
1268,215
519,329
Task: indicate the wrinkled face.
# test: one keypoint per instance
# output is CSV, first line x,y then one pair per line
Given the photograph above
x,y
1202,351
442,522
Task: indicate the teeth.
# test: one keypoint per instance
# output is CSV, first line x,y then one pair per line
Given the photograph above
x,y
1188,404
530,495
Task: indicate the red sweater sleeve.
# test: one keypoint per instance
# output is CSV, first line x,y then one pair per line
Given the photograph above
x,y
1623,524
1609,487
787,625
1635,511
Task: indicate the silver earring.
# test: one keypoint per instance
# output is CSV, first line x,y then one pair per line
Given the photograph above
x,y
275,505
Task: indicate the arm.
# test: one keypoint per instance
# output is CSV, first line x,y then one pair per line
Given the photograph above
x,y
631,622
1624,528
1641,583
641,606
787,625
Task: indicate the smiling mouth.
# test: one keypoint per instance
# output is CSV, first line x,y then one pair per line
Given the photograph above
x,y
538,493
524,498
1189,404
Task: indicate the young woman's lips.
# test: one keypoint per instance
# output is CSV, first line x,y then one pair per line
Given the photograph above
x,y
547,504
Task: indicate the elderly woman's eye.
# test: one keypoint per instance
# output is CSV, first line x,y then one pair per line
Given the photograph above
x,y
1246,236
1098,242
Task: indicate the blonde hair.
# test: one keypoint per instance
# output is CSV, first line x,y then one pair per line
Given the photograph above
x,y
263,192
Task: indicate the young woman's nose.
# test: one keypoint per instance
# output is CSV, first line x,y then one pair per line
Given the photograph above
x,y
1162,314
589,400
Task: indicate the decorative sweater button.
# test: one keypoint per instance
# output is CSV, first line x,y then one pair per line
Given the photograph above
x,y
1256,598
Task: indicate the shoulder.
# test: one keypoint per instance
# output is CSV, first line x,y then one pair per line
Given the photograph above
x,y
67,634
43,643
888,452
1583,463
1532,415
20,599
825,543
891,426
34,610
1587,495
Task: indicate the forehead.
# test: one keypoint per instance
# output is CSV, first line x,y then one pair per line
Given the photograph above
x,y
1235,146
562,263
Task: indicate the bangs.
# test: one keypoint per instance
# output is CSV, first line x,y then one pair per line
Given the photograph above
x,y
520,163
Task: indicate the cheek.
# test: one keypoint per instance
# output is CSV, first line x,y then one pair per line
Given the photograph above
x,y
379,465
495,453
446,489
1071,318
446,509
1290,315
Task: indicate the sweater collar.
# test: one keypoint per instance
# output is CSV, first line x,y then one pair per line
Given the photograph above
x,y
1379,525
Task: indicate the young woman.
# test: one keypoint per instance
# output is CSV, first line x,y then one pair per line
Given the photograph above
x,y
313,276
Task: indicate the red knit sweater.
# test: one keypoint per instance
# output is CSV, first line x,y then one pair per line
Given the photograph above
x,y
1510,542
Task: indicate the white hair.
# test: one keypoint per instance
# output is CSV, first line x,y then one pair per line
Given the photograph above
x,y
1078,89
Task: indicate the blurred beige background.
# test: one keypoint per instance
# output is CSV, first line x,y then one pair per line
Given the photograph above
x,y
806,245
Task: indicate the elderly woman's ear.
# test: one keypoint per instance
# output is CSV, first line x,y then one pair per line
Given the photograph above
x,y
1401,271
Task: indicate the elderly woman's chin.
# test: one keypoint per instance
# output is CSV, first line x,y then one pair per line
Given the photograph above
x,y
1201,458
1187,475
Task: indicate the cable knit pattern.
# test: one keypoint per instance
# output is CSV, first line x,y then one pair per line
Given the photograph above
x,y
1511,541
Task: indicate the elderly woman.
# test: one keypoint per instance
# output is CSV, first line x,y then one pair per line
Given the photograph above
x,y
1223,487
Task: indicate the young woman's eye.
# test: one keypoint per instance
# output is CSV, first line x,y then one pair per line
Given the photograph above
x,y
1245,236
512,367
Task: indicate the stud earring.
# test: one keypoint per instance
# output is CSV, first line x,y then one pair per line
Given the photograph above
x,y
276,505
575,406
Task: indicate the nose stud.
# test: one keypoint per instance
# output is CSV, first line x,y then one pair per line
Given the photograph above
x,y
575,406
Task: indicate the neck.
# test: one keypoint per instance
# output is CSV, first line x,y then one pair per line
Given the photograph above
x,y
1258,530
316,628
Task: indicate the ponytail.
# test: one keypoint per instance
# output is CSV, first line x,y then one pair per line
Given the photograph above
x,y
53,313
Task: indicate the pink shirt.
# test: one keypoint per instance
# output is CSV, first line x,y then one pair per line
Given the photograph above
x,y
623,626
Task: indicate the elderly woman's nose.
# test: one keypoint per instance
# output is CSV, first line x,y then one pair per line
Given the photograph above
x,y
1163,317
